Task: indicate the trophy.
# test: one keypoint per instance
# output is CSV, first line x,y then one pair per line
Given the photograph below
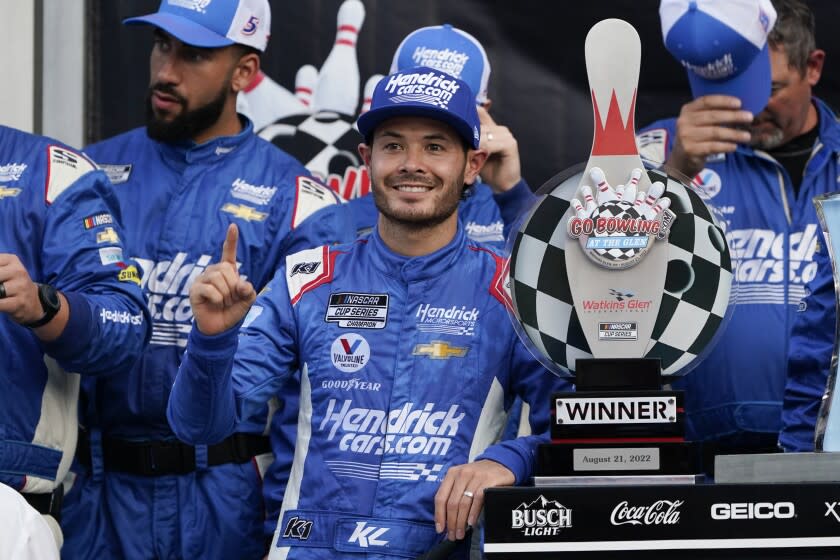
x,y
618,277
827,430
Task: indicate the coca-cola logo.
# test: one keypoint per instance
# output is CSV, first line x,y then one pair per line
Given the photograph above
x,y
661,512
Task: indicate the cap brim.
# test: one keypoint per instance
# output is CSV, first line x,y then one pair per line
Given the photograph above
x,y
752,86
368,122
184,30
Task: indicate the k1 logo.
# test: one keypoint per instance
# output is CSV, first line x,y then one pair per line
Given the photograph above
x,y
297,529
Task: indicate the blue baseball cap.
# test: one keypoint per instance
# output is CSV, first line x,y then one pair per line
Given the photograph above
x,y
212,23
723,45
449,49
424,92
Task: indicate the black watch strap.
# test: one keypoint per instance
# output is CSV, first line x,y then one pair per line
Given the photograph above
x,y
51,304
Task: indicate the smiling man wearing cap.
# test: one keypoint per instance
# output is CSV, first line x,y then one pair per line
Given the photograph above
x,y
759,147
194,169
398,411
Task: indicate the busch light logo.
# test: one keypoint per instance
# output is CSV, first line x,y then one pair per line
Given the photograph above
x,y
431,88
446,60
661,512
618,230
541,517
407,430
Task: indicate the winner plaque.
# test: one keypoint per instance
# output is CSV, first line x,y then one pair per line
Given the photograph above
x,y
619,275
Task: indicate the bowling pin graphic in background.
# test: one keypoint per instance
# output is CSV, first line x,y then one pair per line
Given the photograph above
x,y
370,84
305,81
338,81
265,101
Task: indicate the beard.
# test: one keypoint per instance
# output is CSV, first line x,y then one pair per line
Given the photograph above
x,y
417,218
189,123
765,139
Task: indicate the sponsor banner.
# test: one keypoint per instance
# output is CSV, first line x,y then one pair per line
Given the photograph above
x,y
641,518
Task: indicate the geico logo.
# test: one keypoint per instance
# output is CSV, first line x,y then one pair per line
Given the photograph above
x,y
749,510
407,429
760,254
541,518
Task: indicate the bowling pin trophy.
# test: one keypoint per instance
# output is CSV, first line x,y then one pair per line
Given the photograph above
x,y
618,277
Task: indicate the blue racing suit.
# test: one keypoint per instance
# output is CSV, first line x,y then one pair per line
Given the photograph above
x,y
487,218
406,367
735,394
178,201
59,217
811,347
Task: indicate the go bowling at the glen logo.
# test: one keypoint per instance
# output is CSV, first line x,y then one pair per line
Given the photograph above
x,y
616,230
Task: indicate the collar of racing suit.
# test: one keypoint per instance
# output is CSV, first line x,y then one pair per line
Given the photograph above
x,y
829,132
188,152
416,268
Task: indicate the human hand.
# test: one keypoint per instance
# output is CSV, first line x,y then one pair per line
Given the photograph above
x,y
219,297
706,126
460,497
502,169
19,294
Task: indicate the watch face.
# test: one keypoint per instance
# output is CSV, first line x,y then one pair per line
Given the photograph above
x,y
49,297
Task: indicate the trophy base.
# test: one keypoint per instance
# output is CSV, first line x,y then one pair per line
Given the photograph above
x,y
624,458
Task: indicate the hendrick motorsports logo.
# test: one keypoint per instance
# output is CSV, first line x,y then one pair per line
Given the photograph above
x,y
541,517
618,230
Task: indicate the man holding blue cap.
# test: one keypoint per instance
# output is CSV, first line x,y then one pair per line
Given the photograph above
x,y
400,343
182,180
759,147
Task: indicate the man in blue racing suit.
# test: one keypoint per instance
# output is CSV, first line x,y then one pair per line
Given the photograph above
x,y
401,344
181,180
761,172
488,210
69,304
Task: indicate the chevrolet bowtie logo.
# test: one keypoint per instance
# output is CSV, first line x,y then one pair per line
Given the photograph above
x,y
438,350
244,212
4,192
108,235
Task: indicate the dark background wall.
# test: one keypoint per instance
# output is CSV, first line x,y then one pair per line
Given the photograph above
x,y
538,83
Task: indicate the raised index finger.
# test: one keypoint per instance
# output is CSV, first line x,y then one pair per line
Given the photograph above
x,y
229,247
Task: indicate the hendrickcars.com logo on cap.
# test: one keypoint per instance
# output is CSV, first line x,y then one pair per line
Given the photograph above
x,y
434,88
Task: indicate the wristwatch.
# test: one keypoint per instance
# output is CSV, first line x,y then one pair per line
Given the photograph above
x,y
51,304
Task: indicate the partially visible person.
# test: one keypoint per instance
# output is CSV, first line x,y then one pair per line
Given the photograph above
x,y
195,168
397,415
69,305
24,533
759,147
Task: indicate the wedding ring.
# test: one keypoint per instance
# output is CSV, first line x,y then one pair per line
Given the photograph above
x,y
467,493
2,290
489,136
